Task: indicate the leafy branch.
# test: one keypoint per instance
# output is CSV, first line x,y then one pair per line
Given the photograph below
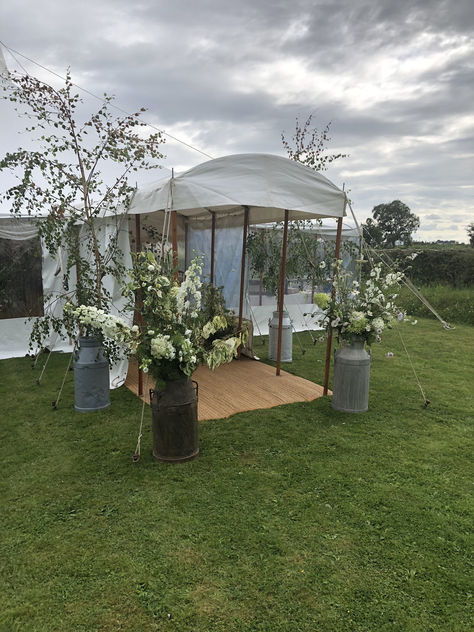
x,y
79,171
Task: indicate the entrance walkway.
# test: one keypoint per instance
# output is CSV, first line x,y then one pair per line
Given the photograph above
x,y
240,386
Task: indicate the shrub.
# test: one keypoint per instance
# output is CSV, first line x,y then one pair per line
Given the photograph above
x,y
453,267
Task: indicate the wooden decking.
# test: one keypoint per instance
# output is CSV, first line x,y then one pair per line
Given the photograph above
x,y
242,385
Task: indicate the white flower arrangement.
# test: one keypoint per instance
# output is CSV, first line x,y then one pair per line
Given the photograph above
x,y
365,309
110,326
171,339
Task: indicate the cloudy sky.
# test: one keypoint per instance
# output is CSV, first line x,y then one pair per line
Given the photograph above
x,y
394,77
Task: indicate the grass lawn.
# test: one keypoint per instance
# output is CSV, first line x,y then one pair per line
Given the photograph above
x,y
296,518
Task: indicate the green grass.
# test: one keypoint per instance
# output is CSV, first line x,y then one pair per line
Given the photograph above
x,y
296,518
454,305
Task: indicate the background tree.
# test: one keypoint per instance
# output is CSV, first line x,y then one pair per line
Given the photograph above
x,y
372,233
393,222
306,250
470,233
79,171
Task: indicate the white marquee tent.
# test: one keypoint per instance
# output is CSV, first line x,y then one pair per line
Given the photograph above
x,y
267,184
238,190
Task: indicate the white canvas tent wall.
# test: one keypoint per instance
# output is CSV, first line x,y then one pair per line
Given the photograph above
x,y
15,332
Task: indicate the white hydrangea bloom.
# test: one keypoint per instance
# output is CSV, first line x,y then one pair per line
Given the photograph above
x,y
162,348
378,324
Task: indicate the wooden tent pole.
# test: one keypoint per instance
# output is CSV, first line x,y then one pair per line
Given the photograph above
x,y
333,294
213,245
174,243
282,290
242,269
138,298
186,229
313,284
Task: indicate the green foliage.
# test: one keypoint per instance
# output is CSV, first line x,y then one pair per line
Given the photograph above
x,y
372,233
445,266
362,309
392,222
173,336
470,233
212,305
295,518
439,244
65,177
309,258
454,305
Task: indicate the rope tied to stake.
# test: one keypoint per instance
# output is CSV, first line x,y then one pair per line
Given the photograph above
x,y
136,455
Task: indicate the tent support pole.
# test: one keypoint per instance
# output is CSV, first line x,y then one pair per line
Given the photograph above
x,y
213,245
260,286
242,269
174,243
282,290
186,230
333,293
138,247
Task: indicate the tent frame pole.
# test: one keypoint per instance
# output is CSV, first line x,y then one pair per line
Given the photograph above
x,y
282,290
186,229
242,268
138,298
213,245
174,243
333,294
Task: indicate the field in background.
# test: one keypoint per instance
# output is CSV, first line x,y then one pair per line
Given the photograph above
x,y
454,305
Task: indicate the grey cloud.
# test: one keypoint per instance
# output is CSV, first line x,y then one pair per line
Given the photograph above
x,y
177,59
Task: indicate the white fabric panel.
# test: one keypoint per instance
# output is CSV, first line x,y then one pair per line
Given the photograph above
x,y
18,229
14,336
52,273
111,227
265,183
3,65
15,332
227,256
107,228
261,315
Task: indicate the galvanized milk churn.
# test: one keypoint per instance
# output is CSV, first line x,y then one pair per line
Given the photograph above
x,y
286,338
174,421
91,376
351,377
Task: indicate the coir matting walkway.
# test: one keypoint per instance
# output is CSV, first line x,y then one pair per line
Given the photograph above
x,y
239,386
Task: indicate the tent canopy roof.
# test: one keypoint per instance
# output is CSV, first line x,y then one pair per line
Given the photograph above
x,y
267,184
